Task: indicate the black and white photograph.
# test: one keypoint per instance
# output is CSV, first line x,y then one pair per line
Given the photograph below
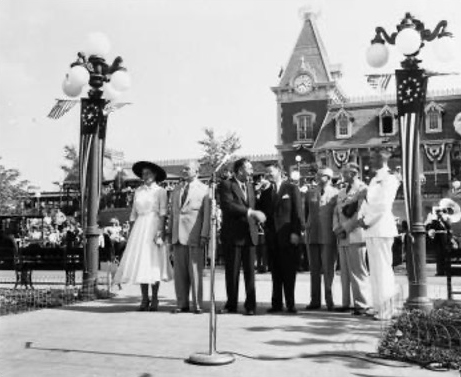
x,y
230,188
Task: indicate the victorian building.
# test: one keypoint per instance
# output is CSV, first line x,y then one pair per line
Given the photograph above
x,y
319,125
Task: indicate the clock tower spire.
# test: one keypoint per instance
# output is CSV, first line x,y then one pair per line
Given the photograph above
x,y
306,87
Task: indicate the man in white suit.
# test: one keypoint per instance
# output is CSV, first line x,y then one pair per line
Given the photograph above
x,y
377,219
189,228
351,242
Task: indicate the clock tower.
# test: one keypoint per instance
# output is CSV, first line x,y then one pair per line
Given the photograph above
x,y
306,88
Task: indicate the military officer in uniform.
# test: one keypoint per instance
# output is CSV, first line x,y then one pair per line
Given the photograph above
x,y
377,219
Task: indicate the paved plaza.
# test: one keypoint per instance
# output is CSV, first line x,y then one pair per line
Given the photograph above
x,y
110,338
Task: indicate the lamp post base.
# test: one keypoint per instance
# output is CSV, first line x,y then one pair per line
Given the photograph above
x,y
211,359
420,303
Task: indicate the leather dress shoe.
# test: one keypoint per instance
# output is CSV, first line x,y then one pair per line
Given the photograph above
x,y
274,310
312,307
250,312
227,311
342,309
180,310
359,311
198,311
292,310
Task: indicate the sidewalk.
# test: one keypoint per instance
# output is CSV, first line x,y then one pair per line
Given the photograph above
x,y
110,338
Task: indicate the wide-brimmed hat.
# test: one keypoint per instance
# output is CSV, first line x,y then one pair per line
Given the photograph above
x,y
160,174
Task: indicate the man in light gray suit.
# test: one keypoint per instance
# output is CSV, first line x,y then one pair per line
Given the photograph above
x,y
351,243
320,238
189,228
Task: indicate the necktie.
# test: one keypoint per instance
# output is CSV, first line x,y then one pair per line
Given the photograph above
x,y
184,194
348,188
244,189
322,191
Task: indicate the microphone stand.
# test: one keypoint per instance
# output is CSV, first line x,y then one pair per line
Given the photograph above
x,y
213,357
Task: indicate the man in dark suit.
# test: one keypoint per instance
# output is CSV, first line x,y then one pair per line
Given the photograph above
x,y
439,229
239,233
281,203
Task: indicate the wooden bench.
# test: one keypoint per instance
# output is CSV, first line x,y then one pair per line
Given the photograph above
x,y
37,258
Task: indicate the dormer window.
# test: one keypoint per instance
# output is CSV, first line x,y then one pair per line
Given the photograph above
x,y
343,125
433,118
387,122
304,122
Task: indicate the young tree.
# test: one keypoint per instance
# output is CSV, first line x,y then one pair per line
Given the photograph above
x,y
13,191
215,148
71,165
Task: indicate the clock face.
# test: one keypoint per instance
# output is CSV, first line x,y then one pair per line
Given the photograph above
x,y
303,84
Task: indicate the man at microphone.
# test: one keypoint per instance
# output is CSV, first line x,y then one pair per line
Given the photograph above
x,y
239,233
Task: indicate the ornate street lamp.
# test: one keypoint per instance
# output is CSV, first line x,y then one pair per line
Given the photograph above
x,y
296,175
411,81
105,84
298,162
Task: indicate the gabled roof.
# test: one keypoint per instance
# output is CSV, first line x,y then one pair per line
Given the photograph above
x,y
365,128
310,48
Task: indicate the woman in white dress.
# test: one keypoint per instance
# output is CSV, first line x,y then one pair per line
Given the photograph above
x,y
145,260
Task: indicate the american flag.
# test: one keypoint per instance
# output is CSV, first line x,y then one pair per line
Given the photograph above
x,y
113,106
379,81
61,107
92,127
411,96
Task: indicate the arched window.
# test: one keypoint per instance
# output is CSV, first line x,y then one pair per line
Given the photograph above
x,y
305,128
387,122
433,118
304,122
343,124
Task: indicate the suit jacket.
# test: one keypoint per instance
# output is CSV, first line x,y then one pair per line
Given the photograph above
x,y
237,228
190,221
354,233
376,210
319,214
283,210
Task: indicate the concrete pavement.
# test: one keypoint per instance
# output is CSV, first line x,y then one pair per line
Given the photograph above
x,y
110,338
